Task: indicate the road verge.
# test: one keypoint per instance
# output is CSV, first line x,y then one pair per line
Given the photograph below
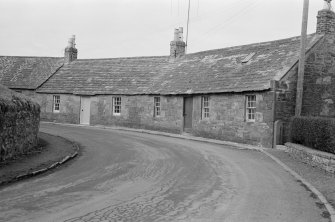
x,y
55,152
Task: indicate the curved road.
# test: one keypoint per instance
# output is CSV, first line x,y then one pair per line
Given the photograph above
x,y
128,176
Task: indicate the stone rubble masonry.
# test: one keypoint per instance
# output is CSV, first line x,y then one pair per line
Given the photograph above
x,y
319,87
325,22
177,49
227,119
313,157
319,81
69,106
70,54
19,123
138,112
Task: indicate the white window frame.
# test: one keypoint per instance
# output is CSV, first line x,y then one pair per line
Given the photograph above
x,y
117,106
205,107
157,106
250,108
56,104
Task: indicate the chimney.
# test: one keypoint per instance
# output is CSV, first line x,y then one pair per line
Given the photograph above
x,y
177,46
326,19
71,52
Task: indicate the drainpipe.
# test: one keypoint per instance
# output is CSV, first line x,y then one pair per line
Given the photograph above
x,y
274,89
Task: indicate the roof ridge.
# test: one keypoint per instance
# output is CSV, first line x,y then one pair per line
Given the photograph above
x,y
47,57
135,57
254,44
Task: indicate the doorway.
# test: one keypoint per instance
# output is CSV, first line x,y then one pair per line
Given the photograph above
x,y
187,113
85,107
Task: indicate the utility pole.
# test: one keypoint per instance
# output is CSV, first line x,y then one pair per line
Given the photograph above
x,y
188,21
301,68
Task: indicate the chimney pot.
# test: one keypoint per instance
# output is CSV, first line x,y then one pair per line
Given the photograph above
x,y
327,5
69,44
176,34
180,34
73,41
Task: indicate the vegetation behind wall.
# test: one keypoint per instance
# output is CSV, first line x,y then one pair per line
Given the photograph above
x,y
314,132
19,123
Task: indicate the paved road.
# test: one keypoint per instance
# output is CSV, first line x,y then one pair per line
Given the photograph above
x,y
127,176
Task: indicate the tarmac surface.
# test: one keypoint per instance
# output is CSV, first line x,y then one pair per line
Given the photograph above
x,y
129,176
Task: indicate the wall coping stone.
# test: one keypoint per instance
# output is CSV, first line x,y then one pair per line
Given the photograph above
x,y
310,150
314,157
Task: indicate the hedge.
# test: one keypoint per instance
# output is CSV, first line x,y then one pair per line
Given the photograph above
x,y
314,132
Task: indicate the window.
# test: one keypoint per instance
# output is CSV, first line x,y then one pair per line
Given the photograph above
x,y
250,108
56,104
116,106
157,106
205,107
247,59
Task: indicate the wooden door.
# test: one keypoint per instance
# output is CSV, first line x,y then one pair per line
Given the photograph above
x,y
188,110
85,107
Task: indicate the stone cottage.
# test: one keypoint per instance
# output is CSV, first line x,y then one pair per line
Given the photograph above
x,y
238,94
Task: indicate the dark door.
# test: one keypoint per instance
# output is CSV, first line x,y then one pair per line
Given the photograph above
x,y
188,109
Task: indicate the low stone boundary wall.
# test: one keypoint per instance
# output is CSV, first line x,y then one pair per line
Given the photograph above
x,y
19,123
313,157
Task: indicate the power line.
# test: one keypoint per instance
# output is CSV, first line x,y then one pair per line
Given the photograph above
x,y
205,14
198,8
229,20
178,6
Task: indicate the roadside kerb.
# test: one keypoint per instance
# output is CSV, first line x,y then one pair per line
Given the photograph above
x,y
52,166
323,200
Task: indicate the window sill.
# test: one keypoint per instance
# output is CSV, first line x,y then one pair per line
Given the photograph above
x,y
250,121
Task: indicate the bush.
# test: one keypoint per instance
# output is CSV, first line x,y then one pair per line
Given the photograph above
x,y
314,132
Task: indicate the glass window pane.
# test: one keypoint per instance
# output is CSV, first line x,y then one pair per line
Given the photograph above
x,y
205,106
157,104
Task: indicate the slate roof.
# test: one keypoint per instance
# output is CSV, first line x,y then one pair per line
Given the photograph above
x,y
211,71
27,72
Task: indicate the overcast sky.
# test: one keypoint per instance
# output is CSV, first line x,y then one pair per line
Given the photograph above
x,y
125,28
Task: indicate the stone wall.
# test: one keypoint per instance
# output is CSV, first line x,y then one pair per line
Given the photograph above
x,y
325,22
69,108
319,87
227,120
138,112
319,81
313,157
19,123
